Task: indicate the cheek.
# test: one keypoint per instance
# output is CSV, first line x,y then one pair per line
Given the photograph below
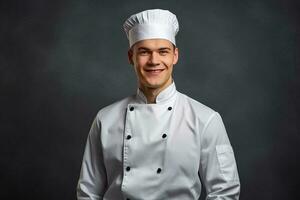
x,y
168,62
140,63
138,70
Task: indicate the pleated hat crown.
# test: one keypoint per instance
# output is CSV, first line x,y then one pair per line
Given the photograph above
x,y
151,24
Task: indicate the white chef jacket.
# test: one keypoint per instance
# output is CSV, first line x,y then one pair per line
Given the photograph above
x,y
162,151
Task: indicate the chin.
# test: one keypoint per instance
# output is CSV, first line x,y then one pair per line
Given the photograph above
x,y
153,85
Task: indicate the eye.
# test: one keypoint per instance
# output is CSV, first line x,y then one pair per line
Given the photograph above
x,y
163,52
143,53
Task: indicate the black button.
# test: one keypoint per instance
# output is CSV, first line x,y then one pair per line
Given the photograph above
x,y
131,108
158,170
164,135
127,168
128,137
127,199
170,108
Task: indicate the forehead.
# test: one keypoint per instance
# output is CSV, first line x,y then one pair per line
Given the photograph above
x,y
153,44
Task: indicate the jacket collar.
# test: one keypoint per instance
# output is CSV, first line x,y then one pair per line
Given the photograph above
x,y
163,97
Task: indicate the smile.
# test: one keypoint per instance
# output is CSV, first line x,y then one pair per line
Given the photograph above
x,y
154,71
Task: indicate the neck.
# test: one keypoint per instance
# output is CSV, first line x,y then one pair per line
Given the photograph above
x,y
152,93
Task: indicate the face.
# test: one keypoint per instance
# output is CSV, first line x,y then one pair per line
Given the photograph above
x,y
153,62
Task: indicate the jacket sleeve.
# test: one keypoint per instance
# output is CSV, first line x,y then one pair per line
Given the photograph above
x,y
92,181
217,169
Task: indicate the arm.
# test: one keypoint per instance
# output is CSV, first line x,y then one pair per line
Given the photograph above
x,y
218,170
92,181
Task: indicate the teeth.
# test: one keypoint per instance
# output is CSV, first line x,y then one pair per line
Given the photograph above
x,y
157,70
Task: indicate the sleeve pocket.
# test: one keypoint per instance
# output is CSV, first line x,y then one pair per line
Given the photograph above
x,y
227,162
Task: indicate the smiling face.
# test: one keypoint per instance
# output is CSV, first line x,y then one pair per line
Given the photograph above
x,y
153,60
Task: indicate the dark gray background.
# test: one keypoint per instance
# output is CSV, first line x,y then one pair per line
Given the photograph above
x,y
61,61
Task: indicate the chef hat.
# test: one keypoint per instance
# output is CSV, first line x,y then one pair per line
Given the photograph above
x,y
151,24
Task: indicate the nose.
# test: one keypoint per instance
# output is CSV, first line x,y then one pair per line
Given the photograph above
x,y
154,59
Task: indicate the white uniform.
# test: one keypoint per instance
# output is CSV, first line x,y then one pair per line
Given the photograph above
x,y
141,151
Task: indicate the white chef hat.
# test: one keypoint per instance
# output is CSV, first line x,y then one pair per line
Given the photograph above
x,y
151,24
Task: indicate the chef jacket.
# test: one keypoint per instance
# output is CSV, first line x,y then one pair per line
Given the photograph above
x,y
162,151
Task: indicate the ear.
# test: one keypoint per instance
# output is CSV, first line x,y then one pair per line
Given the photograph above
x,y
130,54
176,56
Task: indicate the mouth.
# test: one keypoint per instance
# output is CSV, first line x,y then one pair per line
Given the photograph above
x,y
154,71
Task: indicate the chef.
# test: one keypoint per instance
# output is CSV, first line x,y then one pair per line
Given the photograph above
x,y
158,144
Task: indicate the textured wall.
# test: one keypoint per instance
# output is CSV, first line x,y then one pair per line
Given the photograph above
x,y
61,61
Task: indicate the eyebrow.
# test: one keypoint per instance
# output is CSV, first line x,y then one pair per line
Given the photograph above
x,y
147,49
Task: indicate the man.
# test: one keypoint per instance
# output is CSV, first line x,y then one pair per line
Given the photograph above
x,y
159,143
